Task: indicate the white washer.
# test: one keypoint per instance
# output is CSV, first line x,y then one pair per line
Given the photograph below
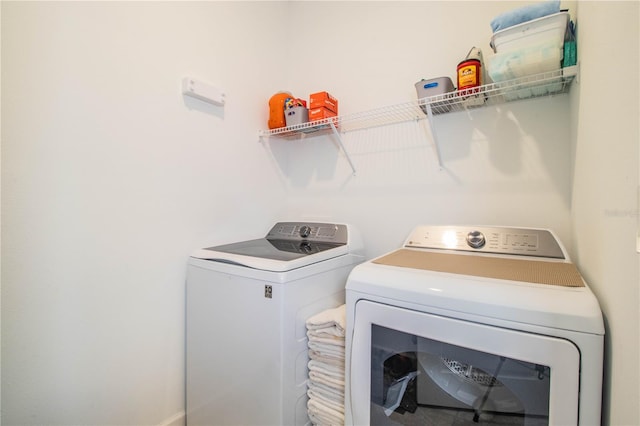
x,y
247,304
473,323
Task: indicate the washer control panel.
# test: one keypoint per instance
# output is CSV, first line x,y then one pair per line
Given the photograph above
x,y
318,232
498,240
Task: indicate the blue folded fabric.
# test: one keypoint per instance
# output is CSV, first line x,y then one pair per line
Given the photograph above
x,y
524,14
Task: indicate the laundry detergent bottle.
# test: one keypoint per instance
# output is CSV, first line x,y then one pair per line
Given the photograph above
x,y
276,110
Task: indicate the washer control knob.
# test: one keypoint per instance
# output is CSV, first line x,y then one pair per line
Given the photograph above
x,y
305,231
475,239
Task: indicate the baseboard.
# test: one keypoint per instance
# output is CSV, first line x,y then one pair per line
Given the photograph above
x,y
178,419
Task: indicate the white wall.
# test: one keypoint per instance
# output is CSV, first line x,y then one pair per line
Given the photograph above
x,y
605,189
0,218
110,177
495,161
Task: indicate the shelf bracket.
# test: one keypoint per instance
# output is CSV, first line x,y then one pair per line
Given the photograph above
x,y
432,126
339,138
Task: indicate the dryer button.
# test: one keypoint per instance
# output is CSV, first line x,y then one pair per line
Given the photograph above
x,y
475,239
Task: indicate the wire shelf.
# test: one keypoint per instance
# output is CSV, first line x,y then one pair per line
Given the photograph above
x,y
544,84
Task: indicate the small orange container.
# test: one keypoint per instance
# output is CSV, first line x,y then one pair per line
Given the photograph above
x,y
276,110
320,113
323,100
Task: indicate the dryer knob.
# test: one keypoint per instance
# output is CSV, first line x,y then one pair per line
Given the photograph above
x,y
475,239
305,231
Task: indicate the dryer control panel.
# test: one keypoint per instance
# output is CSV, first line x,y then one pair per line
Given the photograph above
x,y
498,240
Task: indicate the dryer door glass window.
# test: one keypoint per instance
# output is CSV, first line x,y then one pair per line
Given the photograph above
x,y
422,380
409,367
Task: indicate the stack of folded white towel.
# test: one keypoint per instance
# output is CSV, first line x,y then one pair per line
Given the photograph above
x,y
326,332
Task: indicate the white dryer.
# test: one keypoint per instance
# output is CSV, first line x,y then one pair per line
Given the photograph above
x,y
247,303
473,324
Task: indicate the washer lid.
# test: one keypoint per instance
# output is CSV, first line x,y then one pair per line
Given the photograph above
x,y
287,246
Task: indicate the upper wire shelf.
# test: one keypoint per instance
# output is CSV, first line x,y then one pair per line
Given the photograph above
x,y
537,85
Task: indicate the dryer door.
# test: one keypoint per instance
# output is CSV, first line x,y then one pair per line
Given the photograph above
x,y
409,366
